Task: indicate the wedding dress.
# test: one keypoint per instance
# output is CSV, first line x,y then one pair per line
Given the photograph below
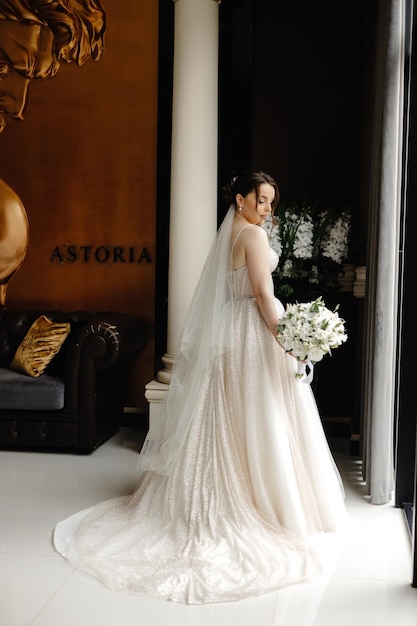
x,y
252,482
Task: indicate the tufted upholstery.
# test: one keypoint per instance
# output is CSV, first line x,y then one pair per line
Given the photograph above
x,y
77,403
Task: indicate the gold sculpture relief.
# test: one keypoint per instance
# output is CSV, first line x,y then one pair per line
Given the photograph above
x,y
35,37
14,231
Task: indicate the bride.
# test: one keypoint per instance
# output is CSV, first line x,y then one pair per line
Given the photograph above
x,y
238,479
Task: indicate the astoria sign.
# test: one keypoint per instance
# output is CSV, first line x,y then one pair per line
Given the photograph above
x,y
100,254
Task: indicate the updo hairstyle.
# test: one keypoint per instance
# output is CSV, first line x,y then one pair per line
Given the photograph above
x,y
245,183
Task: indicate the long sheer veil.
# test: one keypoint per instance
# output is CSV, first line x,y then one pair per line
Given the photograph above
x,y
201,341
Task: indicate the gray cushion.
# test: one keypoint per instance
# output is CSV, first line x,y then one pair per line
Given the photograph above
x,y
22,392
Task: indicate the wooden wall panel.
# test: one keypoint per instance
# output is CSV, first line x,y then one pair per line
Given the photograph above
x,y
83,161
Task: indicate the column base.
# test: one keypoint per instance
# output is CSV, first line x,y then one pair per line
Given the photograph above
x,y
164,375
155,393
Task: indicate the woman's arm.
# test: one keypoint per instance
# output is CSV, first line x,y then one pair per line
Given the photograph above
x,y
256,247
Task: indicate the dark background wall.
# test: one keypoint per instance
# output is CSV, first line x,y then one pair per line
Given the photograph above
x,y
292,86
308,82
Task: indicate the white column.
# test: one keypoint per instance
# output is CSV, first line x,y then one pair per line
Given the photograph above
x,y
193,210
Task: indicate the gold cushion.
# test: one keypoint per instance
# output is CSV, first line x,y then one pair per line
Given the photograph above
x,y
41,343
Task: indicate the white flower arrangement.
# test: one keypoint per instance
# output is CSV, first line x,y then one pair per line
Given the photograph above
x,y
334,244
311,246
309,330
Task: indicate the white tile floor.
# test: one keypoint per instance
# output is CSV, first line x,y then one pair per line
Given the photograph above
x,y
369,586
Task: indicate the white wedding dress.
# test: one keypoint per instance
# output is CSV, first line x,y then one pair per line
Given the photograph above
x,y
253,483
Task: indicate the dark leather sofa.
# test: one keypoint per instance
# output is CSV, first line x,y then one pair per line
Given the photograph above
x,y
77,403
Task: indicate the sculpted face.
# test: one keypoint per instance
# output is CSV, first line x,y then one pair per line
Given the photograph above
x,y
25,53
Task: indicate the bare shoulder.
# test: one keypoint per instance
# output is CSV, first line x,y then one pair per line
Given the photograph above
x,y
255,235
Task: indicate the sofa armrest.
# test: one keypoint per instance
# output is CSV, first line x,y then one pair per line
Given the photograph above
x,y
103,341
108,338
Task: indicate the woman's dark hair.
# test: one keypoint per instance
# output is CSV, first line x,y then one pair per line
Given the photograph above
x,y
245,183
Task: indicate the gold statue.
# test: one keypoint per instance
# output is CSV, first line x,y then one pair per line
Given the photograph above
x,y
35,37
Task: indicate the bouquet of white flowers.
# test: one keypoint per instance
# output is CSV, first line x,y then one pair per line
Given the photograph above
x,y
309,330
